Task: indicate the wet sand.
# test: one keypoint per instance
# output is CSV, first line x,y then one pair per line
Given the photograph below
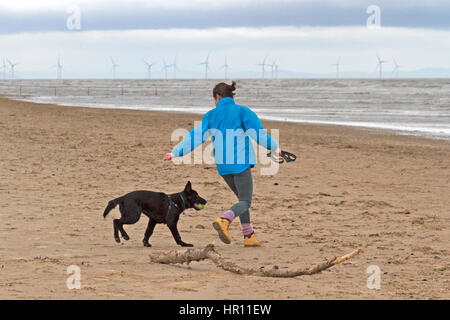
x,y
349,188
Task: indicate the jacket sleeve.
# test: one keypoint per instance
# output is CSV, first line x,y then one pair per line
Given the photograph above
x,y
254,129
193,139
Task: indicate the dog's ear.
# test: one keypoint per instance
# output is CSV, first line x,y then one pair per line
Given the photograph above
x,y
188,187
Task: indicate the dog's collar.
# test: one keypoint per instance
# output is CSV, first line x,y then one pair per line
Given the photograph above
x,y
174,202
182,201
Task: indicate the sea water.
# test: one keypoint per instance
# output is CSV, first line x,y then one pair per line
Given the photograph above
x,y
405,106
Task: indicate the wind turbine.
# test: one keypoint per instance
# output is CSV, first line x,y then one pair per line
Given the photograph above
x,y
206,63
114,67
12,65
149,68
273,66
59,68
380,66
396,68
165,67
276,70
174,66
4,68
337,65
225,66
263,65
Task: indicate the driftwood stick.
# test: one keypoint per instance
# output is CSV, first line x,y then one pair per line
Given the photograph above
x,y
186,256
210,253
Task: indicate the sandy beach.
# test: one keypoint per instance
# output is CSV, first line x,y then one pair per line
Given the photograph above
x,y
349,188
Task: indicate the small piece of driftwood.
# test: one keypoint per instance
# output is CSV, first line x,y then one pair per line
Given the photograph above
x,y
210,253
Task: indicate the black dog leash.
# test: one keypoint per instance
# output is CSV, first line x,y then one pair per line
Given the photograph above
x,y
285,157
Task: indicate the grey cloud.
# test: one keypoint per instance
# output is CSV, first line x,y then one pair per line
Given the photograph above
x,y
263,15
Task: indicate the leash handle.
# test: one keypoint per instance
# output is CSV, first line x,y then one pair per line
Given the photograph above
x,y
288,157
285,157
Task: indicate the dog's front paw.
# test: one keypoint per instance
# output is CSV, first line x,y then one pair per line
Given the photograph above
x,y
184,244
146,244
117,239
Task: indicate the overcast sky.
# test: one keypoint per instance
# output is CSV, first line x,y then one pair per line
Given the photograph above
x,y
301,35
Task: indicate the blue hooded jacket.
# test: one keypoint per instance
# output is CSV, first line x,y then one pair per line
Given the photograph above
x,y
230,126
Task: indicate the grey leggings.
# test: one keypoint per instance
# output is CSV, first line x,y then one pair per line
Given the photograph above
x,y
242,186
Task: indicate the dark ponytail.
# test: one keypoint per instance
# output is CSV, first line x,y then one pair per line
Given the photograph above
x,y
224,90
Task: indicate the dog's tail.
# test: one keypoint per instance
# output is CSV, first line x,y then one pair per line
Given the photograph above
x,y
111,205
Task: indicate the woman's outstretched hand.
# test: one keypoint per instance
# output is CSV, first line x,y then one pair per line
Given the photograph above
x,y
278,152
168,156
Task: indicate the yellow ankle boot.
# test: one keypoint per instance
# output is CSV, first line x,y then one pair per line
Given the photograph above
x,y
251,241
221,226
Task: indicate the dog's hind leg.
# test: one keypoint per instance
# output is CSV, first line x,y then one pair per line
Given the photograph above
x,y
125,235
131,213
118,226
148,233
116,230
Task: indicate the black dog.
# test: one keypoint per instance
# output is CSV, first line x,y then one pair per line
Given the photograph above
x,y
158,207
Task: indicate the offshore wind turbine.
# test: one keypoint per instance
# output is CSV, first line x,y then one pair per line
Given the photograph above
x,y
174,66
273,66
114,67
165,67
396,68
4,68
276,70
149,68
225,67
206,64
380,66
59,68
12,66
263,65
337,65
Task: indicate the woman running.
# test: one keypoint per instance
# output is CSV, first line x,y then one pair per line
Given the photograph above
x,y
230,125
